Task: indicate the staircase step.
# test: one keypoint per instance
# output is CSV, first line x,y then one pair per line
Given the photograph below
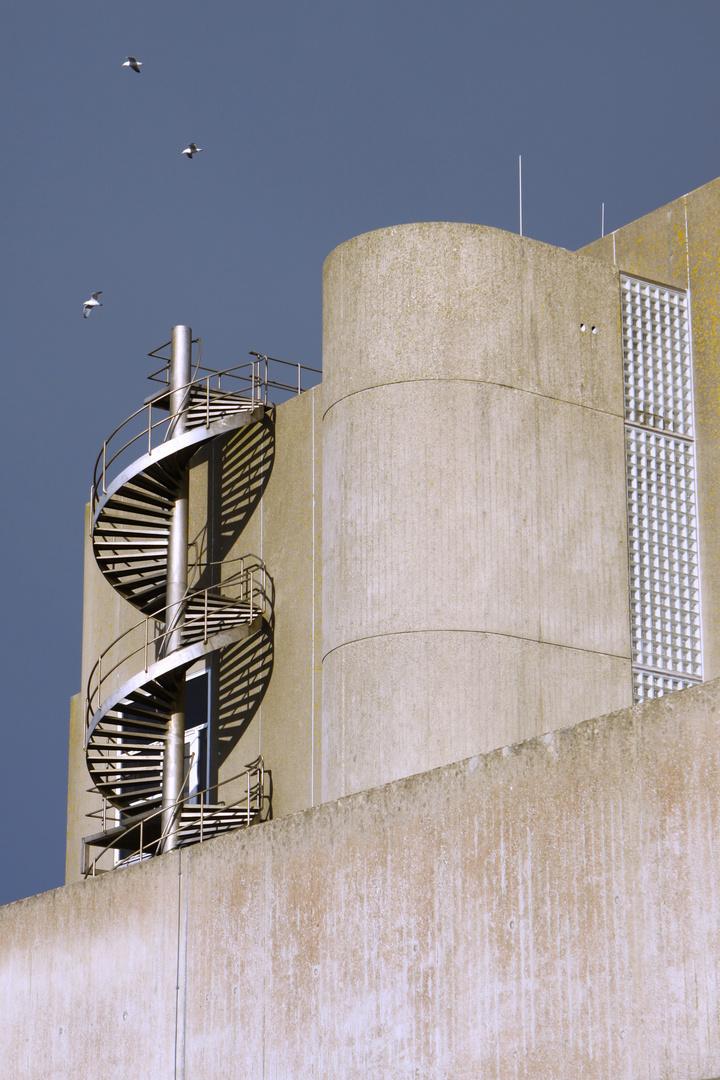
x,y
139,544
105,528
155,485
142,722
126,500
115,510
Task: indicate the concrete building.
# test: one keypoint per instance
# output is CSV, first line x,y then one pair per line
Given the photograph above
x,y
405,596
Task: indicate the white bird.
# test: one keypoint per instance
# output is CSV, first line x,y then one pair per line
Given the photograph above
x,y
91,303
131,62
191,149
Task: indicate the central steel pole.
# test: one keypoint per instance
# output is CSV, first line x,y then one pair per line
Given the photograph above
x,y
176,587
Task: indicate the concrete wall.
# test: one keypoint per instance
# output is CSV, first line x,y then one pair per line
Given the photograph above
x,y
679,245
474,522
547,910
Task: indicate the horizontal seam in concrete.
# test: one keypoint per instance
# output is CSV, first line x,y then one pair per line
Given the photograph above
x,y
485,633
474,382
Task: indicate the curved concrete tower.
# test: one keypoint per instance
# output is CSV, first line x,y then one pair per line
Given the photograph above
x,y
474,525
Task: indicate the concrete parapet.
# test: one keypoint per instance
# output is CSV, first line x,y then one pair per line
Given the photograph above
x,y
546,910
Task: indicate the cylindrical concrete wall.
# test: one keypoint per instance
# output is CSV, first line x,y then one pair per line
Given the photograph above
x,y
475,587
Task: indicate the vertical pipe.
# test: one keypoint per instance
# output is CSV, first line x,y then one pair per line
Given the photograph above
x,y
176,586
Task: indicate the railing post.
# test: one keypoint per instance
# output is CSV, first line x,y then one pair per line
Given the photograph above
x,y
150,427
205,633
103,474
147,631
299,378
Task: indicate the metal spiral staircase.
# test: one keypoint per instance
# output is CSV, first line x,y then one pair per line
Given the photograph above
x,y
135,705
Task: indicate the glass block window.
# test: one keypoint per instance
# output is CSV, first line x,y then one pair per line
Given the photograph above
x,y
662,515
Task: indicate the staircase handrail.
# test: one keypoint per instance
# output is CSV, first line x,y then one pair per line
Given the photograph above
x,y
295,386
249,381
253,768
252,583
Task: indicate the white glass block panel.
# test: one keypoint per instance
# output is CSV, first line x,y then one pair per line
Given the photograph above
x,y
662,518
648,684
657,358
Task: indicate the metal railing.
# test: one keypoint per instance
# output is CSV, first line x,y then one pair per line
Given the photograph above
x,y
270,369
151,425
247,599
246,386
251,800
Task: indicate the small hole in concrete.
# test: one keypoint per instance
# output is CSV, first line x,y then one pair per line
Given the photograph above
x,y
583,328
594,329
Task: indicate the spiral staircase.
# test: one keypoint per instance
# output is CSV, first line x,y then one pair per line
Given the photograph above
x,y
135,688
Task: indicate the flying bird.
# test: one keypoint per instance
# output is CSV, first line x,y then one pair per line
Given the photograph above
x,y
191,149
131,62
91,303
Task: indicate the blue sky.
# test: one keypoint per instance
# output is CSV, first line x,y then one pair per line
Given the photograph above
x,y
318,121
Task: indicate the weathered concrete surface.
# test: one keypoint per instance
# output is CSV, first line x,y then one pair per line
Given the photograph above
x,y
79,802
521,679
87,979
545,911
679,245
445,300
473,484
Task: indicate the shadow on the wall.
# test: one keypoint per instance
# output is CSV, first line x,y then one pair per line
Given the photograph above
x,y
243,465
245,670
240,467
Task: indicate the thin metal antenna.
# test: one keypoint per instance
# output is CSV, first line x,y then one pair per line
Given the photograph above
x,y
602,220
520,187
